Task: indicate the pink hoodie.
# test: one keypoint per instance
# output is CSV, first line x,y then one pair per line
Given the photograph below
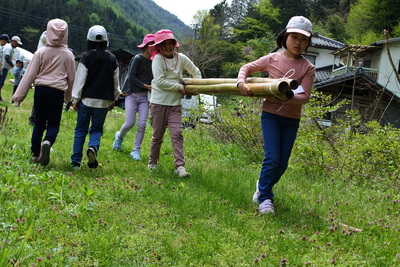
x,y
53,65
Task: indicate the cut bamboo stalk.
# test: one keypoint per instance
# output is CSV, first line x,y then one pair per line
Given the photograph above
x,y
293,84
257,89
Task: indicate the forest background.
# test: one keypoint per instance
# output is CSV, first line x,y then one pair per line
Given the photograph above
x,y
219,41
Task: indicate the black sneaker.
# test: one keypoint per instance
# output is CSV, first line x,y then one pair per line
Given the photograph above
x,y
44,158
92,155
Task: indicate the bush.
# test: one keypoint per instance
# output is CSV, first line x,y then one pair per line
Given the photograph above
x,y
347,149
239,123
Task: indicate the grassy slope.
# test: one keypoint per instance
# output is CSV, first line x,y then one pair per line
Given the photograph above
x,y
122,215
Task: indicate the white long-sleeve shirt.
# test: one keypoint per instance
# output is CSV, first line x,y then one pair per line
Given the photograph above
x,y
167,80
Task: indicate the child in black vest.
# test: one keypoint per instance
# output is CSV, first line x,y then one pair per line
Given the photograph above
x,y
96,88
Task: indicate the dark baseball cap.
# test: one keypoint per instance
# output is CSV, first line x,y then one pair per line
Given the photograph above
x,y
4,37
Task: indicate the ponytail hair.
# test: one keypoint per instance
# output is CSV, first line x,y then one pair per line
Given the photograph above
x,y
100,47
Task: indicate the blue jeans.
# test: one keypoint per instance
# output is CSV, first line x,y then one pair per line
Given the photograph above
x,y
85,115
279,134
49,103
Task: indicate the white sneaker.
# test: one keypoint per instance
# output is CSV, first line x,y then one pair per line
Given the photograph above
x,y
256,195
152,167
135,154
117,145
181,172
266,207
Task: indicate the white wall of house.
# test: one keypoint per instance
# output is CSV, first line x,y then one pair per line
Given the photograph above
x,y
386,75
323,56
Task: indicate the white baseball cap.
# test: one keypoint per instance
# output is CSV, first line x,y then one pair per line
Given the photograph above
x,y
17,39
97,33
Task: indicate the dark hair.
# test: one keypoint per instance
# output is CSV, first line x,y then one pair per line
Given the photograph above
x,y
100,47
19,60
5,37
282,37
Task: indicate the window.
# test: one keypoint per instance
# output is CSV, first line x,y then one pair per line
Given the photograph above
x,y
311,58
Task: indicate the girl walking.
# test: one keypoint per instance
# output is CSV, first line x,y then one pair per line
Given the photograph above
x,y
52,70
166,96
280,119
137,87
96,88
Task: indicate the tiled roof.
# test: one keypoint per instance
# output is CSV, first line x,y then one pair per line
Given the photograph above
x,y
344,77
359,75
323,73
319,41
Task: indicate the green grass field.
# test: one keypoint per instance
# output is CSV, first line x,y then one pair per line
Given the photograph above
x,y
120,214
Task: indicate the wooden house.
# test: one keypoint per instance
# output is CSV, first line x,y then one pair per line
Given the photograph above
x,y
361,74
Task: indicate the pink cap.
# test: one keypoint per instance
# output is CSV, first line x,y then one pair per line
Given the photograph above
x,y
147,39
163,35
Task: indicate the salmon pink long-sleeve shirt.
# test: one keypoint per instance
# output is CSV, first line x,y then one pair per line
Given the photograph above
x,y
278,65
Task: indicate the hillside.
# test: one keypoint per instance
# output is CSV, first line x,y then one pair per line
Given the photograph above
x,y
152,17
127,21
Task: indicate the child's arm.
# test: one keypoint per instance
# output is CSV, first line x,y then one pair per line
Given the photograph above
x,y
133,76
190,67
70,78
80,80
27,80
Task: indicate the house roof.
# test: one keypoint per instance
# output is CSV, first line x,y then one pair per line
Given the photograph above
x,y
362,50
319,41
322,80
397,39
323,73
356,50
123,56
345,77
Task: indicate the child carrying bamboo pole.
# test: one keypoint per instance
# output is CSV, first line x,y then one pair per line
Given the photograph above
x,y
280,119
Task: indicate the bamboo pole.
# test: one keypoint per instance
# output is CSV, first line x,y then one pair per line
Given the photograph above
x,y
293,84
257,89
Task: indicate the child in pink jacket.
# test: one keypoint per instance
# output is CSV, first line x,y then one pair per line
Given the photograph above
x,y
52,71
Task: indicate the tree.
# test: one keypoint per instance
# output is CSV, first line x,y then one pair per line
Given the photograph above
x,y
321,10
207,50
238,10
335,25
368,18
262,18
290,8
220,14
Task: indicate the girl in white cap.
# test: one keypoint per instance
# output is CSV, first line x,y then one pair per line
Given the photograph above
x,y
166,96
96,88
280,118
137,86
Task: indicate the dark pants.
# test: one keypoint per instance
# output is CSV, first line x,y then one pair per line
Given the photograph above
x,y
279,134
2,79
48,104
